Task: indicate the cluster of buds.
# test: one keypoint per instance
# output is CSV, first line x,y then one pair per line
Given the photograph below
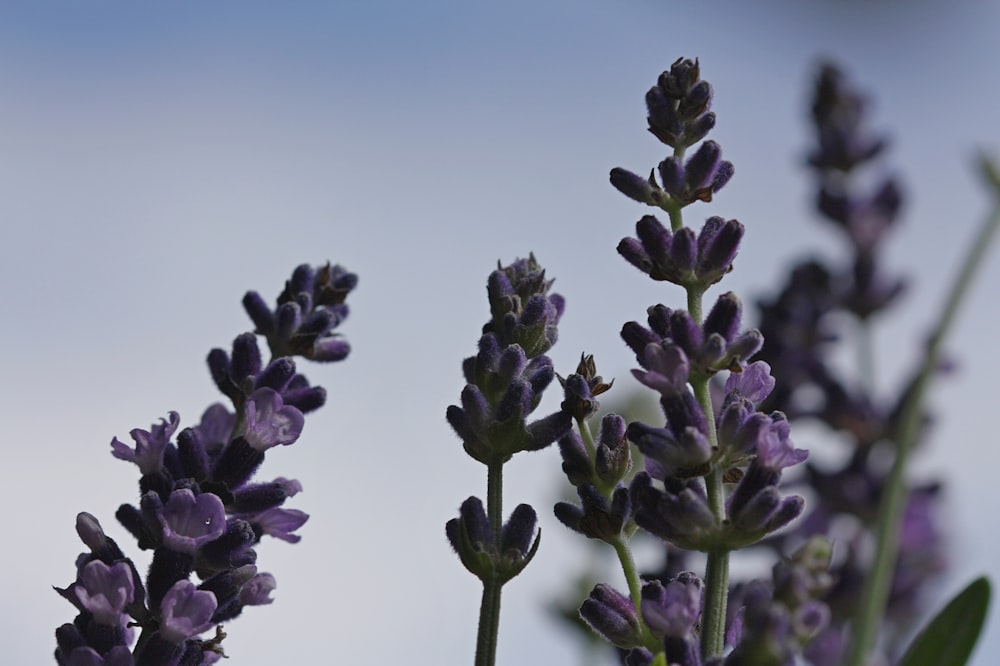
x,y
200,512
505,381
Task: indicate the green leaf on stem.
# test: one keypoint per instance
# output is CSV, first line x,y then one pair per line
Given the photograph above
x,y
949,638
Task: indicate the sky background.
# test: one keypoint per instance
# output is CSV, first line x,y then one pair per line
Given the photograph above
x,y
159,159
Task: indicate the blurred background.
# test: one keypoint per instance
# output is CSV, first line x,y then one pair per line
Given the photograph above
x,y
157,160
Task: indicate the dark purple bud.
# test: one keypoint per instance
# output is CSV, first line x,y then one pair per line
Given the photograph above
x,y
277,374
576,463
546,430
246,361
683,255
289,316
303,280
613,460
696,101
476,524
329,349
258,497
725,316
511,364
259,313
699,128
193,457
218,366
518,532
672,176
92,534
700,169
472,538
634,186
638,337
655,239
632,251
232,549
303,397
685,332
613,616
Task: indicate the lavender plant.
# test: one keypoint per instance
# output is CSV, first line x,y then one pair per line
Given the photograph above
x,y
712,470
201,509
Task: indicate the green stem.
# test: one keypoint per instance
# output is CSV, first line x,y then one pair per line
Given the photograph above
x,y
631,572
876,591
489,609
713,624
713,618
489,623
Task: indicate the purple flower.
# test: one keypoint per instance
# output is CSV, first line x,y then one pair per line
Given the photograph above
x,y
186,611
755,382
105,591
191,521
149,445
279,523
257,591
216,427
270,422
674,608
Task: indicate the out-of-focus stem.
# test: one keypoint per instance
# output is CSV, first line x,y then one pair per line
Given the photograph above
x,y
876,591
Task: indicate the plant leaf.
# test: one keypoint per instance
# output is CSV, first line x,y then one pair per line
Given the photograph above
x,y
949,638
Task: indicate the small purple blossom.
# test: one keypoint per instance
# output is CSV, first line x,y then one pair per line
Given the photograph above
x,y
270,422
190,521
674,608
279,523
186,612
149,445
105,591
257,591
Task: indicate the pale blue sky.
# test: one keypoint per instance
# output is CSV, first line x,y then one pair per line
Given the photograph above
x,y
158,160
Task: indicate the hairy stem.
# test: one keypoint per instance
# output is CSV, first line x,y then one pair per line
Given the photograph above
x,y
489,609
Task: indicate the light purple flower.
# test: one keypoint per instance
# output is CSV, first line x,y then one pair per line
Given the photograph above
x,y
674,608
755,382
279,523
216,427
269,421
775,450
257,591
105,591
667,368
191,521
186,611
149,445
